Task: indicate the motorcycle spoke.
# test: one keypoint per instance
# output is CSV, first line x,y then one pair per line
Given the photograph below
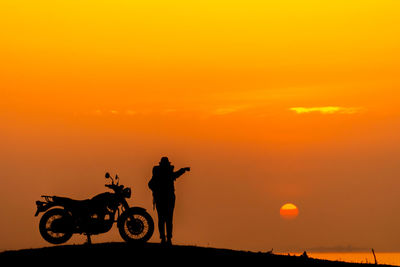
x,y
49,227
136,226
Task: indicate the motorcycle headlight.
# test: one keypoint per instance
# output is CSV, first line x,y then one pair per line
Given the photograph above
x,y
127,192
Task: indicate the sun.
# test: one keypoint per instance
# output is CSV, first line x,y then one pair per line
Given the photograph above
x,y
289,211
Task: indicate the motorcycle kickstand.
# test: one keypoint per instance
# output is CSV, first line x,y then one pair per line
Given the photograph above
x,y
89,240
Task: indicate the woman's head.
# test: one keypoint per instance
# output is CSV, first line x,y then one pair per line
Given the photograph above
x,y
165,161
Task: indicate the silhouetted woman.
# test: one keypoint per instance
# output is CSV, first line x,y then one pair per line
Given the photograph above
x,y
162,185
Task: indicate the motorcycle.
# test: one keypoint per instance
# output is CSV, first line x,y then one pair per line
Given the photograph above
x,y
64,216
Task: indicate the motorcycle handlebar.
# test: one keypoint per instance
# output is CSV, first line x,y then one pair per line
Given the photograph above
x,y
113,186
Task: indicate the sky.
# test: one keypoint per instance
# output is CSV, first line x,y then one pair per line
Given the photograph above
x,y
268,102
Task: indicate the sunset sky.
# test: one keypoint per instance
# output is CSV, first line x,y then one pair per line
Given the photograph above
x,y
269,102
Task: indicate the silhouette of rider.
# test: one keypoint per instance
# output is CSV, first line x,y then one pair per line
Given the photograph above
x,y
162,185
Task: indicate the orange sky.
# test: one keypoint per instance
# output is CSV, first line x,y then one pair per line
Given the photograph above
x,y
269,103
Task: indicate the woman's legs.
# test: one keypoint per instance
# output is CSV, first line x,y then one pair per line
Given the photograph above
x,y
165,210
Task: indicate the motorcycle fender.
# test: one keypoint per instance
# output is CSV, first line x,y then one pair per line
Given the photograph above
x,y
133,209
43,206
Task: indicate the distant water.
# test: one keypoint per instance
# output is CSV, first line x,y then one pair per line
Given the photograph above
x,y
390,258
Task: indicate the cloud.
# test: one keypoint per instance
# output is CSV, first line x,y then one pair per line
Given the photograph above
x,y
229,109
224,111
327,110
97,112
130,112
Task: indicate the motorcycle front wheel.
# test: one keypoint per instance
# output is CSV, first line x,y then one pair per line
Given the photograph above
x,y
55,226
136,226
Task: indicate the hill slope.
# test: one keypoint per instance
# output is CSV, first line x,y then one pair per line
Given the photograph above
x,y
151,254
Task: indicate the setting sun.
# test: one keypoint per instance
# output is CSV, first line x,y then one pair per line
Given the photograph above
x,y
289,211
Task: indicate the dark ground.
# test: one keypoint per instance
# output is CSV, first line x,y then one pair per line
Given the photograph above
x,y
151,254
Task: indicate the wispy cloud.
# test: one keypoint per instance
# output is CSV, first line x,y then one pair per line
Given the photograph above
x,y
229,109
327,110
224,111
130,112
99,112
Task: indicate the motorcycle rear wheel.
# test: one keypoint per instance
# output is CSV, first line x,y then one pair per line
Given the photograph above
x,y
50,221
136,226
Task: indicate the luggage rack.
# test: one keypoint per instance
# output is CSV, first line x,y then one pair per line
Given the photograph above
x,y
48,198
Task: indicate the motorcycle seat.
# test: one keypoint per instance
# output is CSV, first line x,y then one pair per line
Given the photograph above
x,y
71,202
